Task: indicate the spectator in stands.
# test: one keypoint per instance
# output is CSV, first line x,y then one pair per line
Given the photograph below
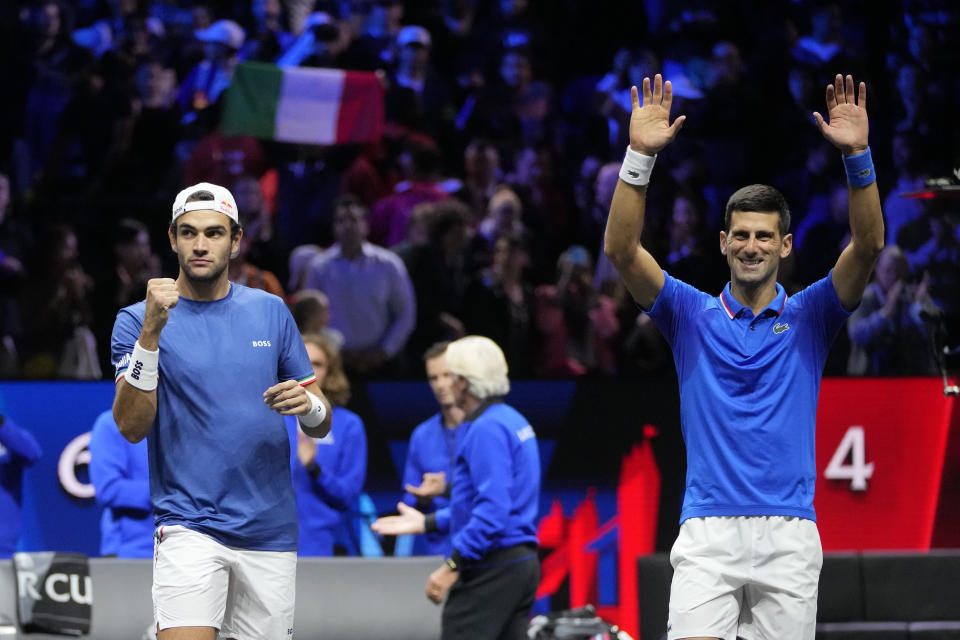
x,y
503,215
18,450
328,472
58,341
578,324
432,449
900,212
371,297
311,312
211,77
119,474
264,250
268,36
16,243
128,27
321,44
440,271
242,271
134,263
390,216
500,304
891,331
482,175
416,96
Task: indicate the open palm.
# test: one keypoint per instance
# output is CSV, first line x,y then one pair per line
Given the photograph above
x,y
650,128
848,128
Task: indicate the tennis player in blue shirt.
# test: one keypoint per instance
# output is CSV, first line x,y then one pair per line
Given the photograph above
x,y
205,370
749,361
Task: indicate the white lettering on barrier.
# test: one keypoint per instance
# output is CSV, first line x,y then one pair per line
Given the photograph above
x,y
48,587
81,598
27,581
73,455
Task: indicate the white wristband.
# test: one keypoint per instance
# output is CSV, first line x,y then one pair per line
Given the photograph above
x,y
143,370
636,168
317,412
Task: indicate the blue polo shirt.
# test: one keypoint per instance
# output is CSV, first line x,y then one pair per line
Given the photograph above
x,y
748,395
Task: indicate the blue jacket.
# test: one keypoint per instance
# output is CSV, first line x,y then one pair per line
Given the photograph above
x,y
18,450
496,482
323,500
119,473
432,448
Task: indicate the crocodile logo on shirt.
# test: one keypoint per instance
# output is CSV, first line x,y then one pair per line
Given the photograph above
x,y
780,328
633,174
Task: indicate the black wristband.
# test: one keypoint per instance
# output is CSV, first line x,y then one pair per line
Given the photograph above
x,y
314,470
454,561
430,523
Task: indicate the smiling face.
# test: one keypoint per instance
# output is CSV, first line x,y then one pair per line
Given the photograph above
x,y
754,247
203,245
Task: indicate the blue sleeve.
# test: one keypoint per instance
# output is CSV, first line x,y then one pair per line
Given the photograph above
x,y
340,486
826,306
403,309
673,305
442,519
490,464
110,457
294,363
126,332
413,469
20,442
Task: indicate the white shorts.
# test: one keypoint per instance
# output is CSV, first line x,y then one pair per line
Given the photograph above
x,y
198,582
754,577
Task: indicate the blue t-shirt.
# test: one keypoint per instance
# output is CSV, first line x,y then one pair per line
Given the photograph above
x,y
748,395
496,483
432,449
118,472
219,457
322,502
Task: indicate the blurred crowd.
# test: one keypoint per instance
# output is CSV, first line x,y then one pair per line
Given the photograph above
x,y
481,209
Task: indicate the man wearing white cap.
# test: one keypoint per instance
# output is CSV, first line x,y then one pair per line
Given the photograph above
x,y
203,368
491,575
212,75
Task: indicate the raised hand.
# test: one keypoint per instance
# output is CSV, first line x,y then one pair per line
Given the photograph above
x,y
434,483
848,128
162,295
650,128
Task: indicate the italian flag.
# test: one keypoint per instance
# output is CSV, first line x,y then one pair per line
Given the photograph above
x,y
303,105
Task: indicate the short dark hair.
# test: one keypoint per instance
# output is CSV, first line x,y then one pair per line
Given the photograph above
x,y
203,195
760,198
347,200
435,350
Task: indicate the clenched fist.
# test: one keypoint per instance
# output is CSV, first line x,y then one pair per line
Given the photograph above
x,y
162,295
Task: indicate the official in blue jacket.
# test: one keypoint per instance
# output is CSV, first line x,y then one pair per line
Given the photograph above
x,y
18,450
328,472
120,475
490,578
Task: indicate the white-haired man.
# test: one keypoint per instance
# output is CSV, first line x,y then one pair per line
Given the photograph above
x,y
493,571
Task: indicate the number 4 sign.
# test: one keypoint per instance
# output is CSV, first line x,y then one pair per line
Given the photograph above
x,y
857,471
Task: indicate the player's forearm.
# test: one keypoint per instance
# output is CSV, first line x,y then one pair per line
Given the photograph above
x,y
866,221
134,410
625,222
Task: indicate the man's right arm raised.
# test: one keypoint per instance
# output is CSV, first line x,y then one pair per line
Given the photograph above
x,y
135,401
650,132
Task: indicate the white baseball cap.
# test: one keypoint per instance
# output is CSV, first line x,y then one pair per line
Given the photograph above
x,y
222,201
225,32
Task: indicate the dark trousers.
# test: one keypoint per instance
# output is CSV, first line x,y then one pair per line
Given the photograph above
x,y
492,603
